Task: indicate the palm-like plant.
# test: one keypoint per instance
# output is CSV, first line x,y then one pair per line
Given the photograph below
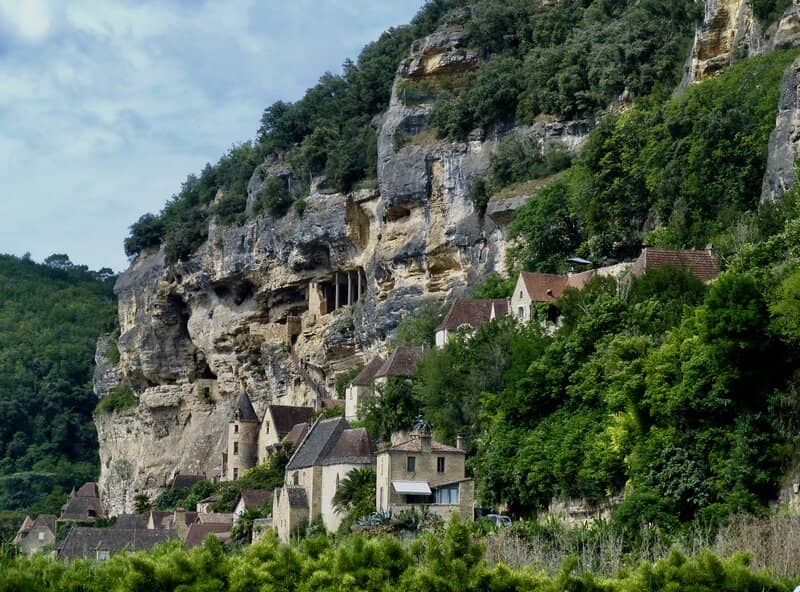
x,y
355,491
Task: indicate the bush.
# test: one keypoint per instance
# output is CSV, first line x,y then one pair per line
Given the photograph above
x,y
273,197
118,399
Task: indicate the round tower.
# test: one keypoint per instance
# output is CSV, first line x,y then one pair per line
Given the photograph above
x,y
242,439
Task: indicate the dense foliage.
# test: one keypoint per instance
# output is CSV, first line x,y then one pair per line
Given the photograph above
x,y
676,174
328,132
451,560
568,59
50,318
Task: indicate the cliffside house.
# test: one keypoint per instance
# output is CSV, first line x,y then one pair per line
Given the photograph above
x,y
328,452
249,499
400,364
277,423
252,441
83,505
180,481
98,544
545,288
36,536
702,264
423,473
362,385
468,315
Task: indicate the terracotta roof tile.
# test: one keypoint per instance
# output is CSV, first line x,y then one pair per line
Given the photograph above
x,y
296,434
88,490
400,363
367,375
702,264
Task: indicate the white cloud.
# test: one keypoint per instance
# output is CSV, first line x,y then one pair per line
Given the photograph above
x,y
107,106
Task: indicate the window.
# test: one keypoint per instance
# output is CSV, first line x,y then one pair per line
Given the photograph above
x,y
448,495
521,313
296,478
440,464
41,536
520,293
236,428
337,481
235,474
236,448
266,425
103,555
380,497
411,464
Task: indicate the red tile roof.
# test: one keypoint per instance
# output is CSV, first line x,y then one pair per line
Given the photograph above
x,y
296,434
543,287
702,264
473,313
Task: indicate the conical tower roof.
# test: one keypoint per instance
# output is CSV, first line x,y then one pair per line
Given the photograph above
x,y
244,410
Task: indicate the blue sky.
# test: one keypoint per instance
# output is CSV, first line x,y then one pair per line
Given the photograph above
x,y
107,105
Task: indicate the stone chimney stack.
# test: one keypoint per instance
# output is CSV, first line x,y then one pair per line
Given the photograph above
x,y
180,522
460,442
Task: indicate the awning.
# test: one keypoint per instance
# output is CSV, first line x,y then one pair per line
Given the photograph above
x,y
411,487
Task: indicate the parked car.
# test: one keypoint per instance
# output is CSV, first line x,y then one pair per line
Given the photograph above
x,y
498,519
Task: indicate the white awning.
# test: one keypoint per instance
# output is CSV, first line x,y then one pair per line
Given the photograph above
x,y
411,487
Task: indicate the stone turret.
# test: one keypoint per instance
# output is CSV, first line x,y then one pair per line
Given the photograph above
x,y
242,439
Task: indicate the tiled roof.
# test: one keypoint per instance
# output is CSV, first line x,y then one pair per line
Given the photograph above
x,y
543,287
89,490
473,313
197,533
353,447
702,264
285,417
214,518
367,375
332,403
82,508
160,520
84,542
296,434
244,410
253,498
131,521
579,280
413,445
400,363
318,442
26,526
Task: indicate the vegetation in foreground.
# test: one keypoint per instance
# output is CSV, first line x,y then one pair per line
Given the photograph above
x,y
51,315
450,559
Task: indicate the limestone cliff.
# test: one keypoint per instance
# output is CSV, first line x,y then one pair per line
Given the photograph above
x,y
278,307
730,31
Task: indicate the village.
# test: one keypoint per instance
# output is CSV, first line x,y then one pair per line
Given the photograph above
x,y
324,444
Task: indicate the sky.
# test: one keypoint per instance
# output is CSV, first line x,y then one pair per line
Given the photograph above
x,y
107,105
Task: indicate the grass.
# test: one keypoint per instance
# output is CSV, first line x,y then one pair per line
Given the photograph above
x,y
527,188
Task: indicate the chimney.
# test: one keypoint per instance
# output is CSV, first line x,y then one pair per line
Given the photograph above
x,y
460,442
180,523
425,442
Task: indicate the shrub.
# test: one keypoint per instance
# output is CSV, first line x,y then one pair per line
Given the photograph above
x,y
120,398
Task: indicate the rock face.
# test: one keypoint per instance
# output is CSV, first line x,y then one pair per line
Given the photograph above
x,y
730,31
784,141
279,307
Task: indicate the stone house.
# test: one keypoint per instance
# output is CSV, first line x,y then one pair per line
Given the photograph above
x,y
469,315
361,386
544,288
249,499
245,448
400,364
277,423
36,536
83,505
98,544
423,473
329,451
